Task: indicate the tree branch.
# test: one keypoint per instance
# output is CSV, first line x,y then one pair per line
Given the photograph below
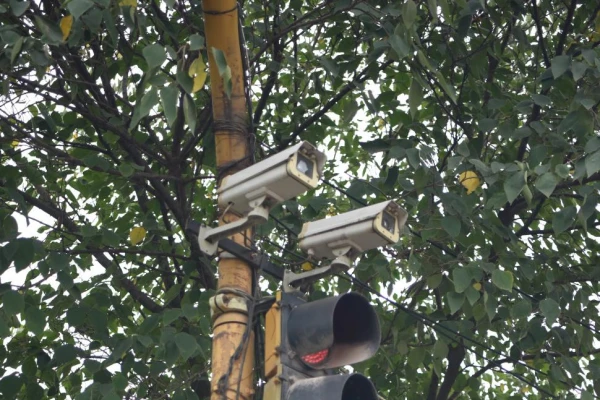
x,y
540,32
62,217
566,28
362,76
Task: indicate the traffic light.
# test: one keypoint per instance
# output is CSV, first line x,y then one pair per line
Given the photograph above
x,y
304,341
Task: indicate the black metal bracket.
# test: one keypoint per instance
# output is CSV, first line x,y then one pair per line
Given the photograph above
x,y
253,258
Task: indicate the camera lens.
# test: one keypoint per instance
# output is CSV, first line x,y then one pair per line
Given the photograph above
x,y
305,165
388,222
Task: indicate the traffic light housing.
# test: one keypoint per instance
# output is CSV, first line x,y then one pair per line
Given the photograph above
x,y
305,340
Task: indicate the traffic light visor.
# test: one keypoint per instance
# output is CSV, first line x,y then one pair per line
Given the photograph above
x,y
335,331
339,387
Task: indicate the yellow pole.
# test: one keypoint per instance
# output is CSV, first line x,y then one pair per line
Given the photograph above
x,y
233,153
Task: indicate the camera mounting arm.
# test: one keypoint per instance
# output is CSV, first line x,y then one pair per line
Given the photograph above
x,y
208,238
291,281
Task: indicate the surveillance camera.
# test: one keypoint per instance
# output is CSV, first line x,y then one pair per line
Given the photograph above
x,y
278,178
354,232
252,192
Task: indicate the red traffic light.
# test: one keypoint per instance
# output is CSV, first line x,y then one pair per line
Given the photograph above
x,y
335,331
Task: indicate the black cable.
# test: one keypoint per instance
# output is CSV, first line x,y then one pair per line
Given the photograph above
x,y
431,322
433,325
284,226
245,338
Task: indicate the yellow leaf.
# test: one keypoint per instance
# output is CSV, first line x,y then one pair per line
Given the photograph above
x,y
470,181
65,26
198,72
130,3
14,143
136,235
477,286
307,266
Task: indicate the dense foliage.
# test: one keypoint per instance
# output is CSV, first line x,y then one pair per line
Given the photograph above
x,y
480,117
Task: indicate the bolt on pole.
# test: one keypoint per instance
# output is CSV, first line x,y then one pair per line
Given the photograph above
x,y
232,370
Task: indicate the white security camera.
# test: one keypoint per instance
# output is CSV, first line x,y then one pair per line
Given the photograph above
x,y
253,191
354,232
278,178
343,237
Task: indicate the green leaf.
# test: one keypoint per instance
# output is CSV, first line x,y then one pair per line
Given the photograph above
x,y
455,301
189,112
514,185
521,309
503,280
416,357
400,46
578,69
119,382
126,170
409,13
487,124
563,219
546,183
491,305
64,354
462,279
78,7
76,316
592,163
65,279
4,328
472,294
168,98
155,55
562,170
432,5
196,42
35,320
13,302
18,8
451,225
29,367
172,293
550,309
560,65
440,350
149,324
579,121
11,385
415,97
58,261
541,100
51,31
171,315
585,395
186,344
142,109
592,145
224,70
16,50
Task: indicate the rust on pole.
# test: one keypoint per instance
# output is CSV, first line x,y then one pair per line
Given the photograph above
x,y
232,370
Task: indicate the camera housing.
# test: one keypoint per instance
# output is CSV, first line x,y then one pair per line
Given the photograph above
x,y
252,192
280,177
354,232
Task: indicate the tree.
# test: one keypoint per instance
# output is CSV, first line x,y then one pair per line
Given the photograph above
x,y
480,117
